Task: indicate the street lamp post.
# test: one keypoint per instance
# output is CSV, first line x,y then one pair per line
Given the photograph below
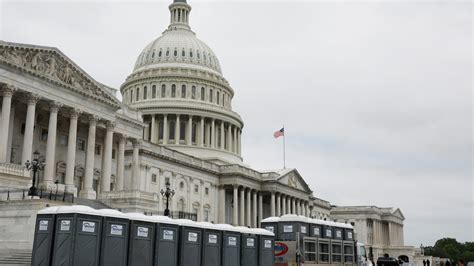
x,y
168,193
36,166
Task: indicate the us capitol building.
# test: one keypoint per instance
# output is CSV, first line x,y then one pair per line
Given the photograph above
x,y
174,125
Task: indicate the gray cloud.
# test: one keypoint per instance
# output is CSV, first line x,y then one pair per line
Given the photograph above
x,y
376,97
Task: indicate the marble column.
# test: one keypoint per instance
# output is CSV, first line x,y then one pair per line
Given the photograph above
x,y
272,204
235,210
88,191
254,209
153,137
283,203
234,140
260,208
189,133
5,121
208,135
222,205
293,206
288,204
135,180
71,152
229,138
222,136
297,203
278,205
107,163
249,210
201,135
165,129
50,162
242,207
29,128
120,162
213,133
239,142
177,130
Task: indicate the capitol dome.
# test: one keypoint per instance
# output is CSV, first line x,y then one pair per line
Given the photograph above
x,y
177,84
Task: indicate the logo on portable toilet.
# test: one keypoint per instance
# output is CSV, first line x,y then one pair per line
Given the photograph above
x,y
116,229
88,227
43,225
142,231
280,249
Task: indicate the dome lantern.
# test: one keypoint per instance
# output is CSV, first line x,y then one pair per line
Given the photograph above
x,y
179,10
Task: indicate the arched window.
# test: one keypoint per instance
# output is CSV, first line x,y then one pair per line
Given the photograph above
x,y
193,92
138,94
181,185
131,95
210,96
175,52
153,91
171,130
183,53
181,205
203,94
167,52
217,97
191,53
145,92
173,91
159,53
198,54
183,91
204,55
163,91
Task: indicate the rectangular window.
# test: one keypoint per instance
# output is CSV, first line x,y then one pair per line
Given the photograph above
x,y
167,180
193,92
217,97
163,91
114,153
183,91
160,133
203,94
131,95
44,134
153,178
153,91
145,93
98,149
210,96
173,91
196,188
81,145
206,190
63,139
182,131
138,95
206,215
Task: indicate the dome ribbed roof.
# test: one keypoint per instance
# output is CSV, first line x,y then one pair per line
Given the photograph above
x,y
179,48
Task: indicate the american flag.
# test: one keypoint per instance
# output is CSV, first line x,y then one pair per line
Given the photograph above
x,y
279,133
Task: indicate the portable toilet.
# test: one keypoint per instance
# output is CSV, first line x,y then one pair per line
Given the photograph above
x,y
115,228
44,236
77,236
231,238
211,244
271,224
290,224
249,247
349,233
141,239
266,243
190,244
327,229
315,228
338,231
166,239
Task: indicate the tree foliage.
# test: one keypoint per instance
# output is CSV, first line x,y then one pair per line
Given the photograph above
x,y
452,249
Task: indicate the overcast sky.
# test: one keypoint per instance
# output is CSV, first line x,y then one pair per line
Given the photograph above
x,y
376,97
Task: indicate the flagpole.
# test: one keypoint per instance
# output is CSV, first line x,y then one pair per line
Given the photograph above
x,y
284,159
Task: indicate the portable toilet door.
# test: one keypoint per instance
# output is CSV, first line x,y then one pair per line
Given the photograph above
x,y
141,240
266,244
211,244
190,246
44,237
249,247
114,238
231,238
78,235
271,224
166,239
315,228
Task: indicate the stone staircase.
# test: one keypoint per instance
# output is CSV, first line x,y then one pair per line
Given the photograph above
x,y
15,258
95,204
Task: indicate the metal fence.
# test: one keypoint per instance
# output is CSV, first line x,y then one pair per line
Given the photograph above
x,y
7,194
178,215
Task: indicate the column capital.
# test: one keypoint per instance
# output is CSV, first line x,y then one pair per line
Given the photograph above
x,y
33,98
123,138
7,90
136,142
110,125
93,119
54,106
75,113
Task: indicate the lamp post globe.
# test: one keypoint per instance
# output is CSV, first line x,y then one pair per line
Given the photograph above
x,y
35,165
167,193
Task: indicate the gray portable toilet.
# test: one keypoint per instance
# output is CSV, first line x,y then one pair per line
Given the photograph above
x,y
44,236
327,229
190,243
141,239
266,244
290,224
211,244
249,247
231,238
315,228
166,241
348,232
271,224
338,231
77,236
115,229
